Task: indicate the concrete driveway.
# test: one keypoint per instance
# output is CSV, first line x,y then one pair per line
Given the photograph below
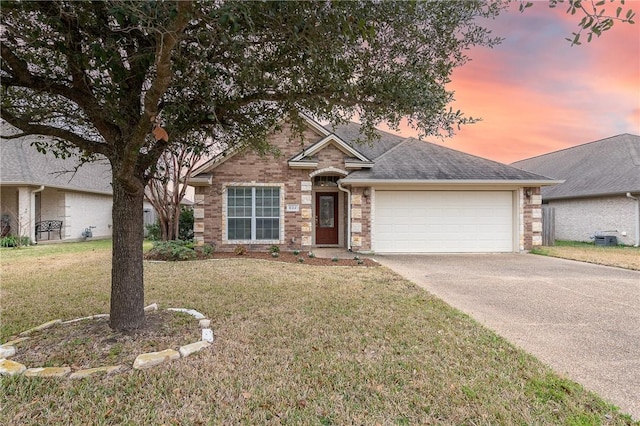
x,y
583,320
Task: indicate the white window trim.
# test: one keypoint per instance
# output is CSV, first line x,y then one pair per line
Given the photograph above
x,y
225,186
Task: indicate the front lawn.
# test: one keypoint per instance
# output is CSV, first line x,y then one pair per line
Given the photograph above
x,y
295,344
619,256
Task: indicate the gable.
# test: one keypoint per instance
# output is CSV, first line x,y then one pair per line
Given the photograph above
x,y
319,148
330,151
284,140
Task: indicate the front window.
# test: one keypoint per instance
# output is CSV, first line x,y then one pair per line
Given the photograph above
x,y
253,213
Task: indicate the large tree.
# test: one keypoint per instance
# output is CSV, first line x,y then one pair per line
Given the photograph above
x,y
98,77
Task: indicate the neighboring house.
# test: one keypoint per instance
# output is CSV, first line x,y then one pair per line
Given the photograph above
x,y
394,195
601,192
36,187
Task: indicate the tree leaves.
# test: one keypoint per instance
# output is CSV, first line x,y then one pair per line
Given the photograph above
x,y
596,20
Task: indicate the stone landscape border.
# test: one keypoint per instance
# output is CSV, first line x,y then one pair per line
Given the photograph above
x,y
142,361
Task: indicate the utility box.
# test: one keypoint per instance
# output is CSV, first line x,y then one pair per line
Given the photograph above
x,y
606,240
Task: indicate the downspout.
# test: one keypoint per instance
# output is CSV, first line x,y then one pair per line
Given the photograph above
x,y
341,188
32,213
637,218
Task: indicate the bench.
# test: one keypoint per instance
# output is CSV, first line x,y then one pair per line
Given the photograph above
x,y
48,226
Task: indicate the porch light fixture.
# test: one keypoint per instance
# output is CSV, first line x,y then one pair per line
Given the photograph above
x,y
366,193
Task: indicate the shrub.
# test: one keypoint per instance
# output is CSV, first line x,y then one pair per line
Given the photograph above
x,y
311,255
173,250
185,227
240,250
208,249
274,249
296,252
334,259
301,259
15,241
153,231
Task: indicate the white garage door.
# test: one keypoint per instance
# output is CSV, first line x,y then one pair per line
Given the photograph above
x,y
443,221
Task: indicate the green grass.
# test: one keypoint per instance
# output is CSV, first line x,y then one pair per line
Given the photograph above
x,y
11,253
295,344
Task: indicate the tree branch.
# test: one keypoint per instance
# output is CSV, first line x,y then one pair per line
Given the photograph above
x,y
22,77
38,129
166,41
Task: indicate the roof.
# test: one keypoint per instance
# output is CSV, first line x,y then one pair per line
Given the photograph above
x,y
402,159
605,167
350,133
22,164
396,159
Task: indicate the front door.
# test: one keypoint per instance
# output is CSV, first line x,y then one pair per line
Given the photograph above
x,y
327,218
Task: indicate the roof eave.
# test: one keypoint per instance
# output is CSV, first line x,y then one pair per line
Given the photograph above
x,y
66,188
455,182
202,180
303,164
351,165
596,195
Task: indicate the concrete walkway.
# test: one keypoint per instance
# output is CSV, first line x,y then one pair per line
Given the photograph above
x,y
583,320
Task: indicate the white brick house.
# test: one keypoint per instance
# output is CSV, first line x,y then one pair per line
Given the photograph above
x,y
36,187
601,189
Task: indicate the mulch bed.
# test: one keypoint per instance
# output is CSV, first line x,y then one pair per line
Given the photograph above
x,y
91,343
287,257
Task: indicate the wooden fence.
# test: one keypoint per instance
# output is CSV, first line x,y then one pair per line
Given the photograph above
x,y
548,226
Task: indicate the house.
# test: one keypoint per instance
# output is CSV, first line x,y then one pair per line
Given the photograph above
x,y
396,195
36,187
601,192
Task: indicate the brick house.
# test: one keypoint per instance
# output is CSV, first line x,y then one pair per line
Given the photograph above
x,y
601,189
396,195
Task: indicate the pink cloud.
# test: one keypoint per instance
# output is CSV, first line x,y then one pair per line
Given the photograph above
x,y
536,93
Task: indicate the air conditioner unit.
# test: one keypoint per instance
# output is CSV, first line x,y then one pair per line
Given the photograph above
x,y
606,240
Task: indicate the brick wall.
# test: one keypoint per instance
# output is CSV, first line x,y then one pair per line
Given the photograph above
x,y
530,207
361,218
579,219
248,168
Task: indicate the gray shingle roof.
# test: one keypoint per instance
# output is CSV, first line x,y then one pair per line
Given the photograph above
x,y
412,159
21,163
350,133
607,166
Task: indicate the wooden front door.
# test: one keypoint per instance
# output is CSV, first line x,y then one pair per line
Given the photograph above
x,y
327,218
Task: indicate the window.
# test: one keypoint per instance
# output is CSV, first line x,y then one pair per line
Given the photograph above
x,y
253,213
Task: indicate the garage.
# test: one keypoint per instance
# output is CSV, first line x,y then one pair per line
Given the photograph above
x,y
443,222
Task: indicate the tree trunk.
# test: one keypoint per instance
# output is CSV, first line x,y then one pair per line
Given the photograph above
x,y
127,282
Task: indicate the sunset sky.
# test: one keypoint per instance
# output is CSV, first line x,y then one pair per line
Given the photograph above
x,y
536,93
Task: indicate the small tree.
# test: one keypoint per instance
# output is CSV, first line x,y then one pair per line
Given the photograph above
x,y
165,192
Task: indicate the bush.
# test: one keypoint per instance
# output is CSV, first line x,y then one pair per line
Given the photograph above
x,y
274,249
173,250
153,231
185,227
15,241
240,250
208,249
